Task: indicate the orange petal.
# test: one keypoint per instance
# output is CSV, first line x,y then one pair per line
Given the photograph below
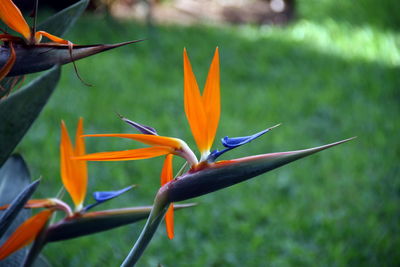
x,y
166,176
211,99
80,170
9,64
169,221
134,154
73,172
194,109
11,15
167,171
25,233
152,140
56,39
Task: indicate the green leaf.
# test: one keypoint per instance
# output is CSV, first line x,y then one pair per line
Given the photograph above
x,y
15,207
14,176
19,111
60,23
41,261
8,83
95,222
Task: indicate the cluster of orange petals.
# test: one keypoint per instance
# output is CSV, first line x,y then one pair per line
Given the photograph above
x,y
203,113
12,17
74,178
202,110
73,171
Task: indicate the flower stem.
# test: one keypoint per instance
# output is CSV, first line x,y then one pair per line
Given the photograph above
x,y
160,206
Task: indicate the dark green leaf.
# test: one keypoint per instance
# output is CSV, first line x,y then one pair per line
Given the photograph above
x,y
41,261
18,203
7,84
61,22
19,111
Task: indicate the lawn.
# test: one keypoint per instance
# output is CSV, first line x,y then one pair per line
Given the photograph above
x,y
330,75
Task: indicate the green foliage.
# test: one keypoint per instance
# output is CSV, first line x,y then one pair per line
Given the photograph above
x,y
8,216
61,22
20,110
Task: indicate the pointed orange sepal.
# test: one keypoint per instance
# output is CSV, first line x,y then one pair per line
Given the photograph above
x,y
152,140
80,166
166,176
133,154
167,170
9,64
12,16
56,39
202,111
25,233
169,221
73,171
193,103
211,99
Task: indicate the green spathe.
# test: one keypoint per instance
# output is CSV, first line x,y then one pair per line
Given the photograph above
x,y
39,57
99,221
222,174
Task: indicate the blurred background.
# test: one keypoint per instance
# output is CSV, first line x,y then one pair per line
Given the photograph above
x,y
326,69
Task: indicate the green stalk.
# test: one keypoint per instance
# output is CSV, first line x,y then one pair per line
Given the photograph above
x,y
160,207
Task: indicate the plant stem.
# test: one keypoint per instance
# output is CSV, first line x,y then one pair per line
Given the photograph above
x,y
156,215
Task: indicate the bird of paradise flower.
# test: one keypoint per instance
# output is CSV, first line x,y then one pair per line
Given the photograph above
x,y
12,17
74,178
27,54
205,175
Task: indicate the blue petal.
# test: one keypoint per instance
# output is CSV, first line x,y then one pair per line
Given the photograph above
x,y
231,143
238,141
102,196
144,129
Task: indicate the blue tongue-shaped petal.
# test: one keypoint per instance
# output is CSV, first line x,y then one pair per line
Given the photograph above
x,y
102,196
238,141
144,129
231,143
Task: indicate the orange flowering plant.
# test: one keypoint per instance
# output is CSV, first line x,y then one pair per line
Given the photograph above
x,y
27,54
77,222
203,175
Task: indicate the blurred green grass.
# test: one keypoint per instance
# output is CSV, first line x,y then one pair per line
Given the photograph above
x,y
332,74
